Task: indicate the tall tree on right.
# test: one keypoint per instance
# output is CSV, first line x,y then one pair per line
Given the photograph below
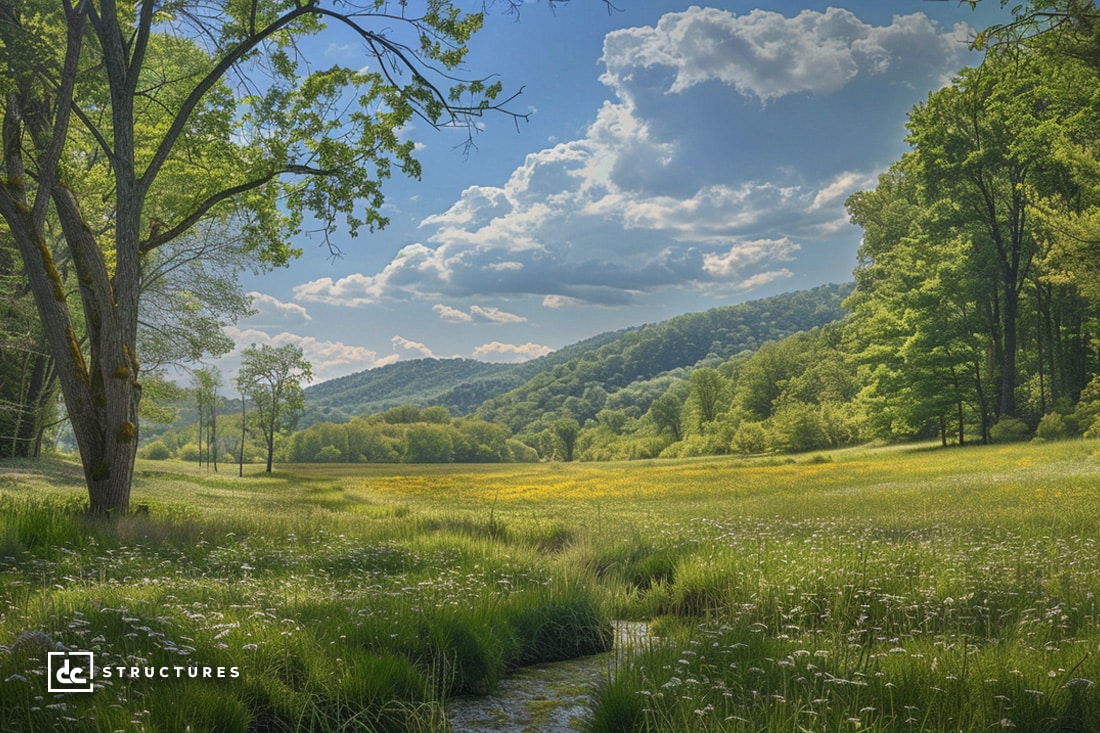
x,y
983,149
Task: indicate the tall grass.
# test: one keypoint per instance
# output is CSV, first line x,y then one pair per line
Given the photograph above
x,y
886,590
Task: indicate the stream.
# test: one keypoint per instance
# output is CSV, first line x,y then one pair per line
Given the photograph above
x,y
544,698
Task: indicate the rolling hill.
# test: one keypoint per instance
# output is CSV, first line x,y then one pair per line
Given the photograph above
x,y
629,367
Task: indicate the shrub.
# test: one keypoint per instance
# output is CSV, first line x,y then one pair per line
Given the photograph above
x,y
798,427
1088,407
189,452
751,437
155,451
1052,427
1009,430
521,452
696,445
329,454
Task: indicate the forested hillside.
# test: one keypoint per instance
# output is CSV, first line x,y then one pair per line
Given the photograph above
x,y
420,382
460,385
621,373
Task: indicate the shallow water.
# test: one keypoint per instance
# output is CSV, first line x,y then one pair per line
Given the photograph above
x,y
545,698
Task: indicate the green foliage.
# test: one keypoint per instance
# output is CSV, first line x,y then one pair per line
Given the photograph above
x,y
798,427
189,452
751,437
521,452
271,377
567,389
1087,410
389,438
155,451
428,444
1052,427
1009,430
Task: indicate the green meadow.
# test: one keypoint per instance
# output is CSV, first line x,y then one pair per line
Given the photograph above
x,y
874,589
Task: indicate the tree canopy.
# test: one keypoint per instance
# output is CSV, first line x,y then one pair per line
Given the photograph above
x,y
127,125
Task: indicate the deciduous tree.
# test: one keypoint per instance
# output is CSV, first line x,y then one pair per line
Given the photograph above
x,y
106,107
983,147
271,377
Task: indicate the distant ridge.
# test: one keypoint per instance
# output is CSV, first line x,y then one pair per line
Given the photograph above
x,y
588,371
632,370
460,385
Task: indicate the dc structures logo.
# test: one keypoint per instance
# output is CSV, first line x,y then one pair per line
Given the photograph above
x,y
70,671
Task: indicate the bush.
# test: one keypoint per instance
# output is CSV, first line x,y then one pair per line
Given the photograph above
x,y
521,452
1009,430
155,451
329,454
1052,427
1088,406
189,452
751,437
697,445
798,427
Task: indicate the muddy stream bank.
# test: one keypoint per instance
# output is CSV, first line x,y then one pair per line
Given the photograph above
x,y
545,698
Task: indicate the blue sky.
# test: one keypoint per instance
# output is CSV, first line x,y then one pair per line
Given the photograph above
x,y
677,158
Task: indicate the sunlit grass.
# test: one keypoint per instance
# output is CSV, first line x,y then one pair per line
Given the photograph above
x,y
892,589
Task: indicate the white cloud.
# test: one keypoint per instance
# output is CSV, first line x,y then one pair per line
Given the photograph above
x,y
742,258
510,353
561,301
495,315
841,187
477,314
766,55
413,264
407,349
452,315
270,310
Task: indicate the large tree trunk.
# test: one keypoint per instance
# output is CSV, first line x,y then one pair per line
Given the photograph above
x,y
101,393
101,398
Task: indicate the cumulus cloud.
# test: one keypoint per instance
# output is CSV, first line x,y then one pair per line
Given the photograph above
x,y
767,55
510,353
407,349
674,185
398,280
270,311
743,257
452,315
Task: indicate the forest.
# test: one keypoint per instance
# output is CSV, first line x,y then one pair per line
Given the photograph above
x,y
973,318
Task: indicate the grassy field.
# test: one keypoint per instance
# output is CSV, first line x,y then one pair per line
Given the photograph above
x,y
890,589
